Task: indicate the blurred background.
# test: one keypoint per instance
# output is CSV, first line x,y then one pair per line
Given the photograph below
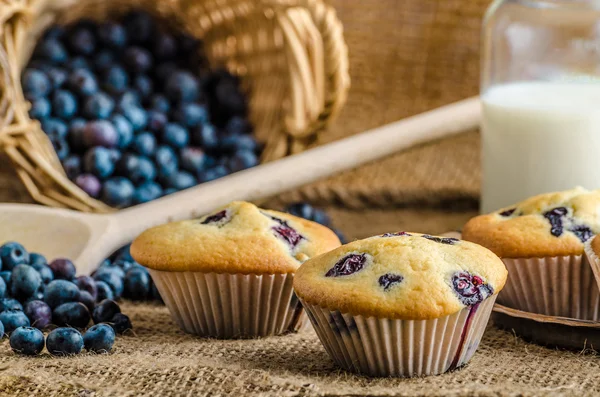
x,y
406,57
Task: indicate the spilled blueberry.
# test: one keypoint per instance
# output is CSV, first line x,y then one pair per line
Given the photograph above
x,y
28,341
64,341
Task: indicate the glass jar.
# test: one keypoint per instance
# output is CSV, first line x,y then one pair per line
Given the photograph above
x,y
540,91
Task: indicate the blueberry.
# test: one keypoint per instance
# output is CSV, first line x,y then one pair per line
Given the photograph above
x,y
35,84
105,311
508,212
156,121
348,265
61,147
25,281
90,184
98,162
60,291
75,133
77,62
3,288
63,269
1,330
182,180
229,98
72,166
144,144
442,240
82,41
128,99
306,211
175,135
112,34
191,114
37,295
286,233
388,280
54,32
27,341
103,60
165,70
160,103
118,192
87,300
5,275
54,127
83,82
86,283
120,323
583,233
98,106
165,46
137,59
182,86
100,133
72,314
143,85
40,108
112,267
166,161
144,171
44,271
38,313
169,190
57,76
64,104
192,159
237,126
136,116
104,291
470,289
205,136
140,26
64,341
233,143
241,160
37,259
213,173
10,304
124,254
13,254
112,278
99,338
124,130
116,80
137,284
13,319
147,191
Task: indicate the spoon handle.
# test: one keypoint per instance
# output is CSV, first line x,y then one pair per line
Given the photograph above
x,y
294,171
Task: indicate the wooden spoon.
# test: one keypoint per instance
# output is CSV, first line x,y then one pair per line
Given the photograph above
x,y
89,238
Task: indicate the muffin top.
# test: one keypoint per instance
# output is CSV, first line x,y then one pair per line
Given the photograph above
x,y
551,224
238,238
401,275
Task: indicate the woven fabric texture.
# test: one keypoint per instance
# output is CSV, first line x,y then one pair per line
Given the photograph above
x,y
161,360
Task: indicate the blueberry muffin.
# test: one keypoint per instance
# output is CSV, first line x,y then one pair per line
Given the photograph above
x,y
401,304
541,241
229,274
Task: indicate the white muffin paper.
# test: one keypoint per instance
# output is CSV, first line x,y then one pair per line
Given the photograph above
x,y
594,261
228,306
562,286
388,347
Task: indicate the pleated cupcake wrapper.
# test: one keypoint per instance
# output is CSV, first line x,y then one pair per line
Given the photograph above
x,y
231,305
593,261
562,286
388,347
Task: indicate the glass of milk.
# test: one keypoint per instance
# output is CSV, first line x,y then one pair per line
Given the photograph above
x,y
540,92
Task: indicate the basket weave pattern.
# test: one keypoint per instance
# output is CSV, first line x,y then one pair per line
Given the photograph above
x,y
290,54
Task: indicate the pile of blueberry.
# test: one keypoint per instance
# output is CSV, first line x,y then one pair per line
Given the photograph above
x,y
36,295
133,112
307,211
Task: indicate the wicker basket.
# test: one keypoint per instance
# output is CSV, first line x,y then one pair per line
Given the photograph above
x,y
290,54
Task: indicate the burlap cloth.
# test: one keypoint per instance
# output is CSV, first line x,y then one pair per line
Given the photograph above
x,y
406,57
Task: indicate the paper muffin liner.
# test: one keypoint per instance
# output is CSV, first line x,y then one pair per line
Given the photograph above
x,y
562,286
593,261
388,347
228,306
